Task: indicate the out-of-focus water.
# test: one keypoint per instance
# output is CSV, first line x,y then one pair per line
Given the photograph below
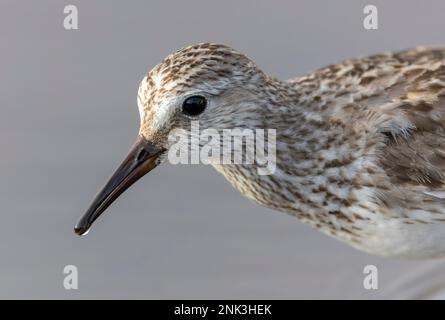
x,y
68,116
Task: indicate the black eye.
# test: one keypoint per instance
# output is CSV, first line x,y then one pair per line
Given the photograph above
x,y
194,105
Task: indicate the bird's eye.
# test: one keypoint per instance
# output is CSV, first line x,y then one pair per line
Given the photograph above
x,y
194,105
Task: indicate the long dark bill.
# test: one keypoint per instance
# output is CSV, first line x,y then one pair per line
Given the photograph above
x,y
142,158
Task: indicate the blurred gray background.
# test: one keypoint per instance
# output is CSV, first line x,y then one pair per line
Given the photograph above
x,y
68,116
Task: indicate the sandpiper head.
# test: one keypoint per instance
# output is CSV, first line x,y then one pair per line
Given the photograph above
x,y
205,82
210,83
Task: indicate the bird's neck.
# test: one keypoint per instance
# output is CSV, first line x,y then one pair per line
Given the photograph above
x,y
315,166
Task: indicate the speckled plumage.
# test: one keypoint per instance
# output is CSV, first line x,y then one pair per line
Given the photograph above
x,y
360,144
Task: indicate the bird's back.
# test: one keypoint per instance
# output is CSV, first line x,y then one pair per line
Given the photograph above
x,y
361,152
396,101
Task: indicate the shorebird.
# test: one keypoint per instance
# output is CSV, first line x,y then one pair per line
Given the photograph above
x,y
360,145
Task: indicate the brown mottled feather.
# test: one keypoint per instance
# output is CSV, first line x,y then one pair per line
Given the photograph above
x,y
360,143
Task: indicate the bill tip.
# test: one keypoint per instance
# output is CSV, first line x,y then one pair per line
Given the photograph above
x,y
81,231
